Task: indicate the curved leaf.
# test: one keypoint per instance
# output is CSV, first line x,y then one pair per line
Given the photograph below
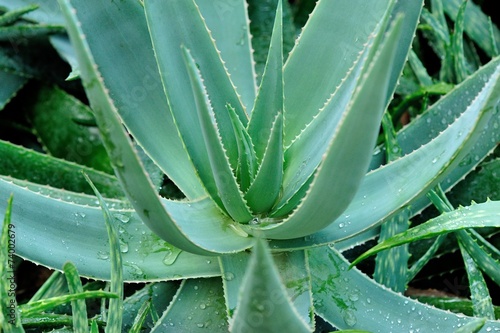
x,y
476,216
349,299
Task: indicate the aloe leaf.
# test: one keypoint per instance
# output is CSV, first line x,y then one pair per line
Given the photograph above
x,y
26,164
78,306
247,162
11,84
13,15
317,206
342,38
486,256
294,273
70,227
476,24
198,304
263,298
114,318
48,10
141,317
457,44
269,100
227,187
473,326
266,186
124,159
480,296
178,23
29,31
131,75
55,285
52,115
349,299
228,24
262,18
9,314
442,157
475,216
306,151
453,304
63,47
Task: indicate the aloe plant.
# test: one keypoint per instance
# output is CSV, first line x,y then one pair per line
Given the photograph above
x,y
273,172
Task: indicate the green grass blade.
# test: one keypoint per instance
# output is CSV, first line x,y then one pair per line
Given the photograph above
x,y
228,24
349,299
475,216
50,303
198,304
264,191
127,166
69,228
480,296
9,313
456,305
222,172
317,206
78,306
114,317
141,317
263,298
29,31
269,100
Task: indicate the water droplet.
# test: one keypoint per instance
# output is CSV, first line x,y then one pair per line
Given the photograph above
x,y
102,255
341,225
368,300
203,306
171,256
122,217
200,325
228,276
196,287
209,262
350,318
123,246
434,160
354,297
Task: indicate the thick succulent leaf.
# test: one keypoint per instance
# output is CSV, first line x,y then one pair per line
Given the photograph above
x,y
437,159
48,11
127,166
340,30
63,47
227,188
480,296
69,228
476,25
294,272
263,298
304,154
78,306
10,17
266,186
114,315
340,177
247,161
228,24
349,299
129,70
26,164
11,84
9,317
486,256
173,24
269,100
475,216
53,113
198,304
29,31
